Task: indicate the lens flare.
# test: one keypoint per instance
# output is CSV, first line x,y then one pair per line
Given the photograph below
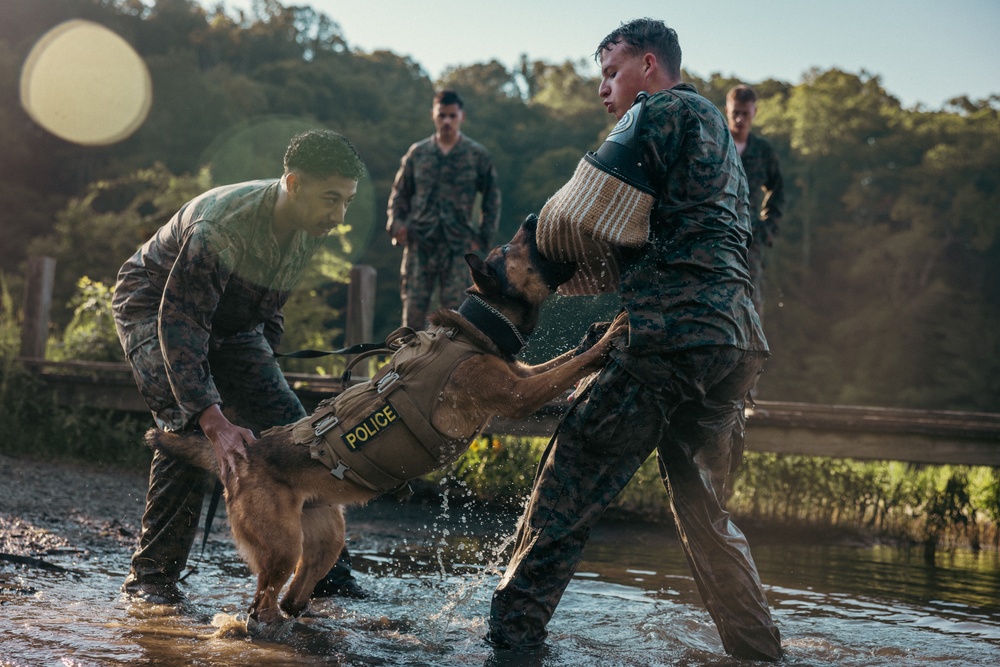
x,y
85,84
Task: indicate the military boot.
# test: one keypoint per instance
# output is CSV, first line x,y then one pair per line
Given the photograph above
x,y
169,523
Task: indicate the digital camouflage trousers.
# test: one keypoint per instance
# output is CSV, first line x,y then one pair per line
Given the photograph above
x,y
690,411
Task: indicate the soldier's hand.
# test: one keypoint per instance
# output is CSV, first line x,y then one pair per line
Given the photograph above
x,y
400,236
228,440
619,327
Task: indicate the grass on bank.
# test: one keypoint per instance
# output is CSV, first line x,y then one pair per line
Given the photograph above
x,y
940,506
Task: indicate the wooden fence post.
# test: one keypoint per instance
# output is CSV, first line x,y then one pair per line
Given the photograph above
x,y
360,327
37,306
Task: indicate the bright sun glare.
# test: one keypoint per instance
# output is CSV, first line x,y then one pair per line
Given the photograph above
x,y
85,84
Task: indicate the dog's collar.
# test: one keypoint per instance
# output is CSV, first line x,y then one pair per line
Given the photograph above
x,y
494,324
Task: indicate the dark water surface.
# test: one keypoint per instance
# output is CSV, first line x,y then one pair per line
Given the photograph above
x,y
432,568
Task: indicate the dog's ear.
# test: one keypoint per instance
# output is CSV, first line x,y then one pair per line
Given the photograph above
x,y
482,276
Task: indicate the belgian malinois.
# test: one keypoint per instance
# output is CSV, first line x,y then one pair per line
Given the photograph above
x,y
286,508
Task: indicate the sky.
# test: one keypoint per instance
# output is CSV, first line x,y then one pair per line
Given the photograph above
x,y
924,51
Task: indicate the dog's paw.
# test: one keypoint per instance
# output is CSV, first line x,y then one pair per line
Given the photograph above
x,y
231,627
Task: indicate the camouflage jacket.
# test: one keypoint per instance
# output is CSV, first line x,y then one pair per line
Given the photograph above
x,y
767,192
434,193
690,285
213,271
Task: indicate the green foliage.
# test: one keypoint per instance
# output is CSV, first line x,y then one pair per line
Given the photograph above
x,y
91,334
33,424
881,285
315,313
946,506
499,469
950,505
560,88
97,232
10,332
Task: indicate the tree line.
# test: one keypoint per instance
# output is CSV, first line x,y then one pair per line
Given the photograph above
x,y
883,286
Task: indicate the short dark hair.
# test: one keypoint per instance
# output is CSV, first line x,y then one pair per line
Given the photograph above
x,y
647,36
741,93
446,97
323,153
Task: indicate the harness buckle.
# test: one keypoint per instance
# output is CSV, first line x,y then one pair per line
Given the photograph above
x,y
339,471
387,380
326,424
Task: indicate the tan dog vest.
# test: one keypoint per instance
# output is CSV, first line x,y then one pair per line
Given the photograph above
x,y
378,434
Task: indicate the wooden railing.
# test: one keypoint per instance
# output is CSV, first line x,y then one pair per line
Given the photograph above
x,y
921,436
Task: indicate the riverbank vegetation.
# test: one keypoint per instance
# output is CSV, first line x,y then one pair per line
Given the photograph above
x,y
938,506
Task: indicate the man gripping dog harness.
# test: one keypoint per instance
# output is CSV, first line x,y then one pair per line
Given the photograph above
x,y
199,310
285,500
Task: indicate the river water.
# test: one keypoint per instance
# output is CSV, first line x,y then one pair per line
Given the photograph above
x,y
432,567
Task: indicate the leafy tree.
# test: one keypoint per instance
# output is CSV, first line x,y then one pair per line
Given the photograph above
x,y
96,233
561,88
91,334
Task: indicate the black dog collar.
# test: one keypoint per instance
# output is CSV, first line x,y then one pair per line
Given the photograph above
x,y
494,324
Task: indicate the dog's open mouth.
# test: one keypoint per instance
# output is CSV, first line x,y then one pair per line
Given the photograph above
x,y
555,273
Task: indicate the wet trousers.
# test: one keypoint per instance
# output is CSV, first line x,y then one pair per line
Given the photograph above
x,y
692,416
253,387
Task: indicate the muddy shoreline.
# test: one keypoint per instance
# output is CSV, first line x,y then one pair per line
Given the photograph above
x,y
60,507
46,507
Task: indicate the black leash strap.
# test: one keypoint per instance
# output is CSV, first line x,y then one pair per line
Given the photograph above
x,y
213,504
360,348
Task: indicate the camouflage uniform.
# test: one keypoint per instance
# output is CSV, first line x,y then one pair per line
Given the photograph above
x,y
198,310
433,196
767,196
695,349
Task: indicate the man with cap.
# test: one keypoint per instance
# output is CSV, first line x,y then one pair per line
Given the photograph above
x,y
695,349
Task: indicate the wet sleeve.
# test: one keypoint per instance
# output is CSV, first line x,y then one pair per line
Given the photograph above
x,y
190,298
274,329
660,142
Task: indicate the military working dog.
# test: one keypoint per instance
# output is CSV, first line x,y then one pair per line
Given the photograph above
x,y
285,507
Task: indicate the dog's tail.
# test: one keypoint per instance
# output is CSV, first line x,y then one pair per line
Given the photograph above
x,y
192,448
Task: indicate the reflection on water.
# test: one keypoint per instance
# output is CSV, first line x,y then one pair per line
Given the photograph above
x,y
432,570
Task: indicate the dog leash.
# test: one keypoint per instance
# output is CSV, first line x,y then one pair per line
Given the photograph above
x,y
360,348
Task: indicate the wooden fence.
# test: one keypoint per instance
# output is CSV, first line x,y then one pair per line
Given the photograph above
x,y
920,436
